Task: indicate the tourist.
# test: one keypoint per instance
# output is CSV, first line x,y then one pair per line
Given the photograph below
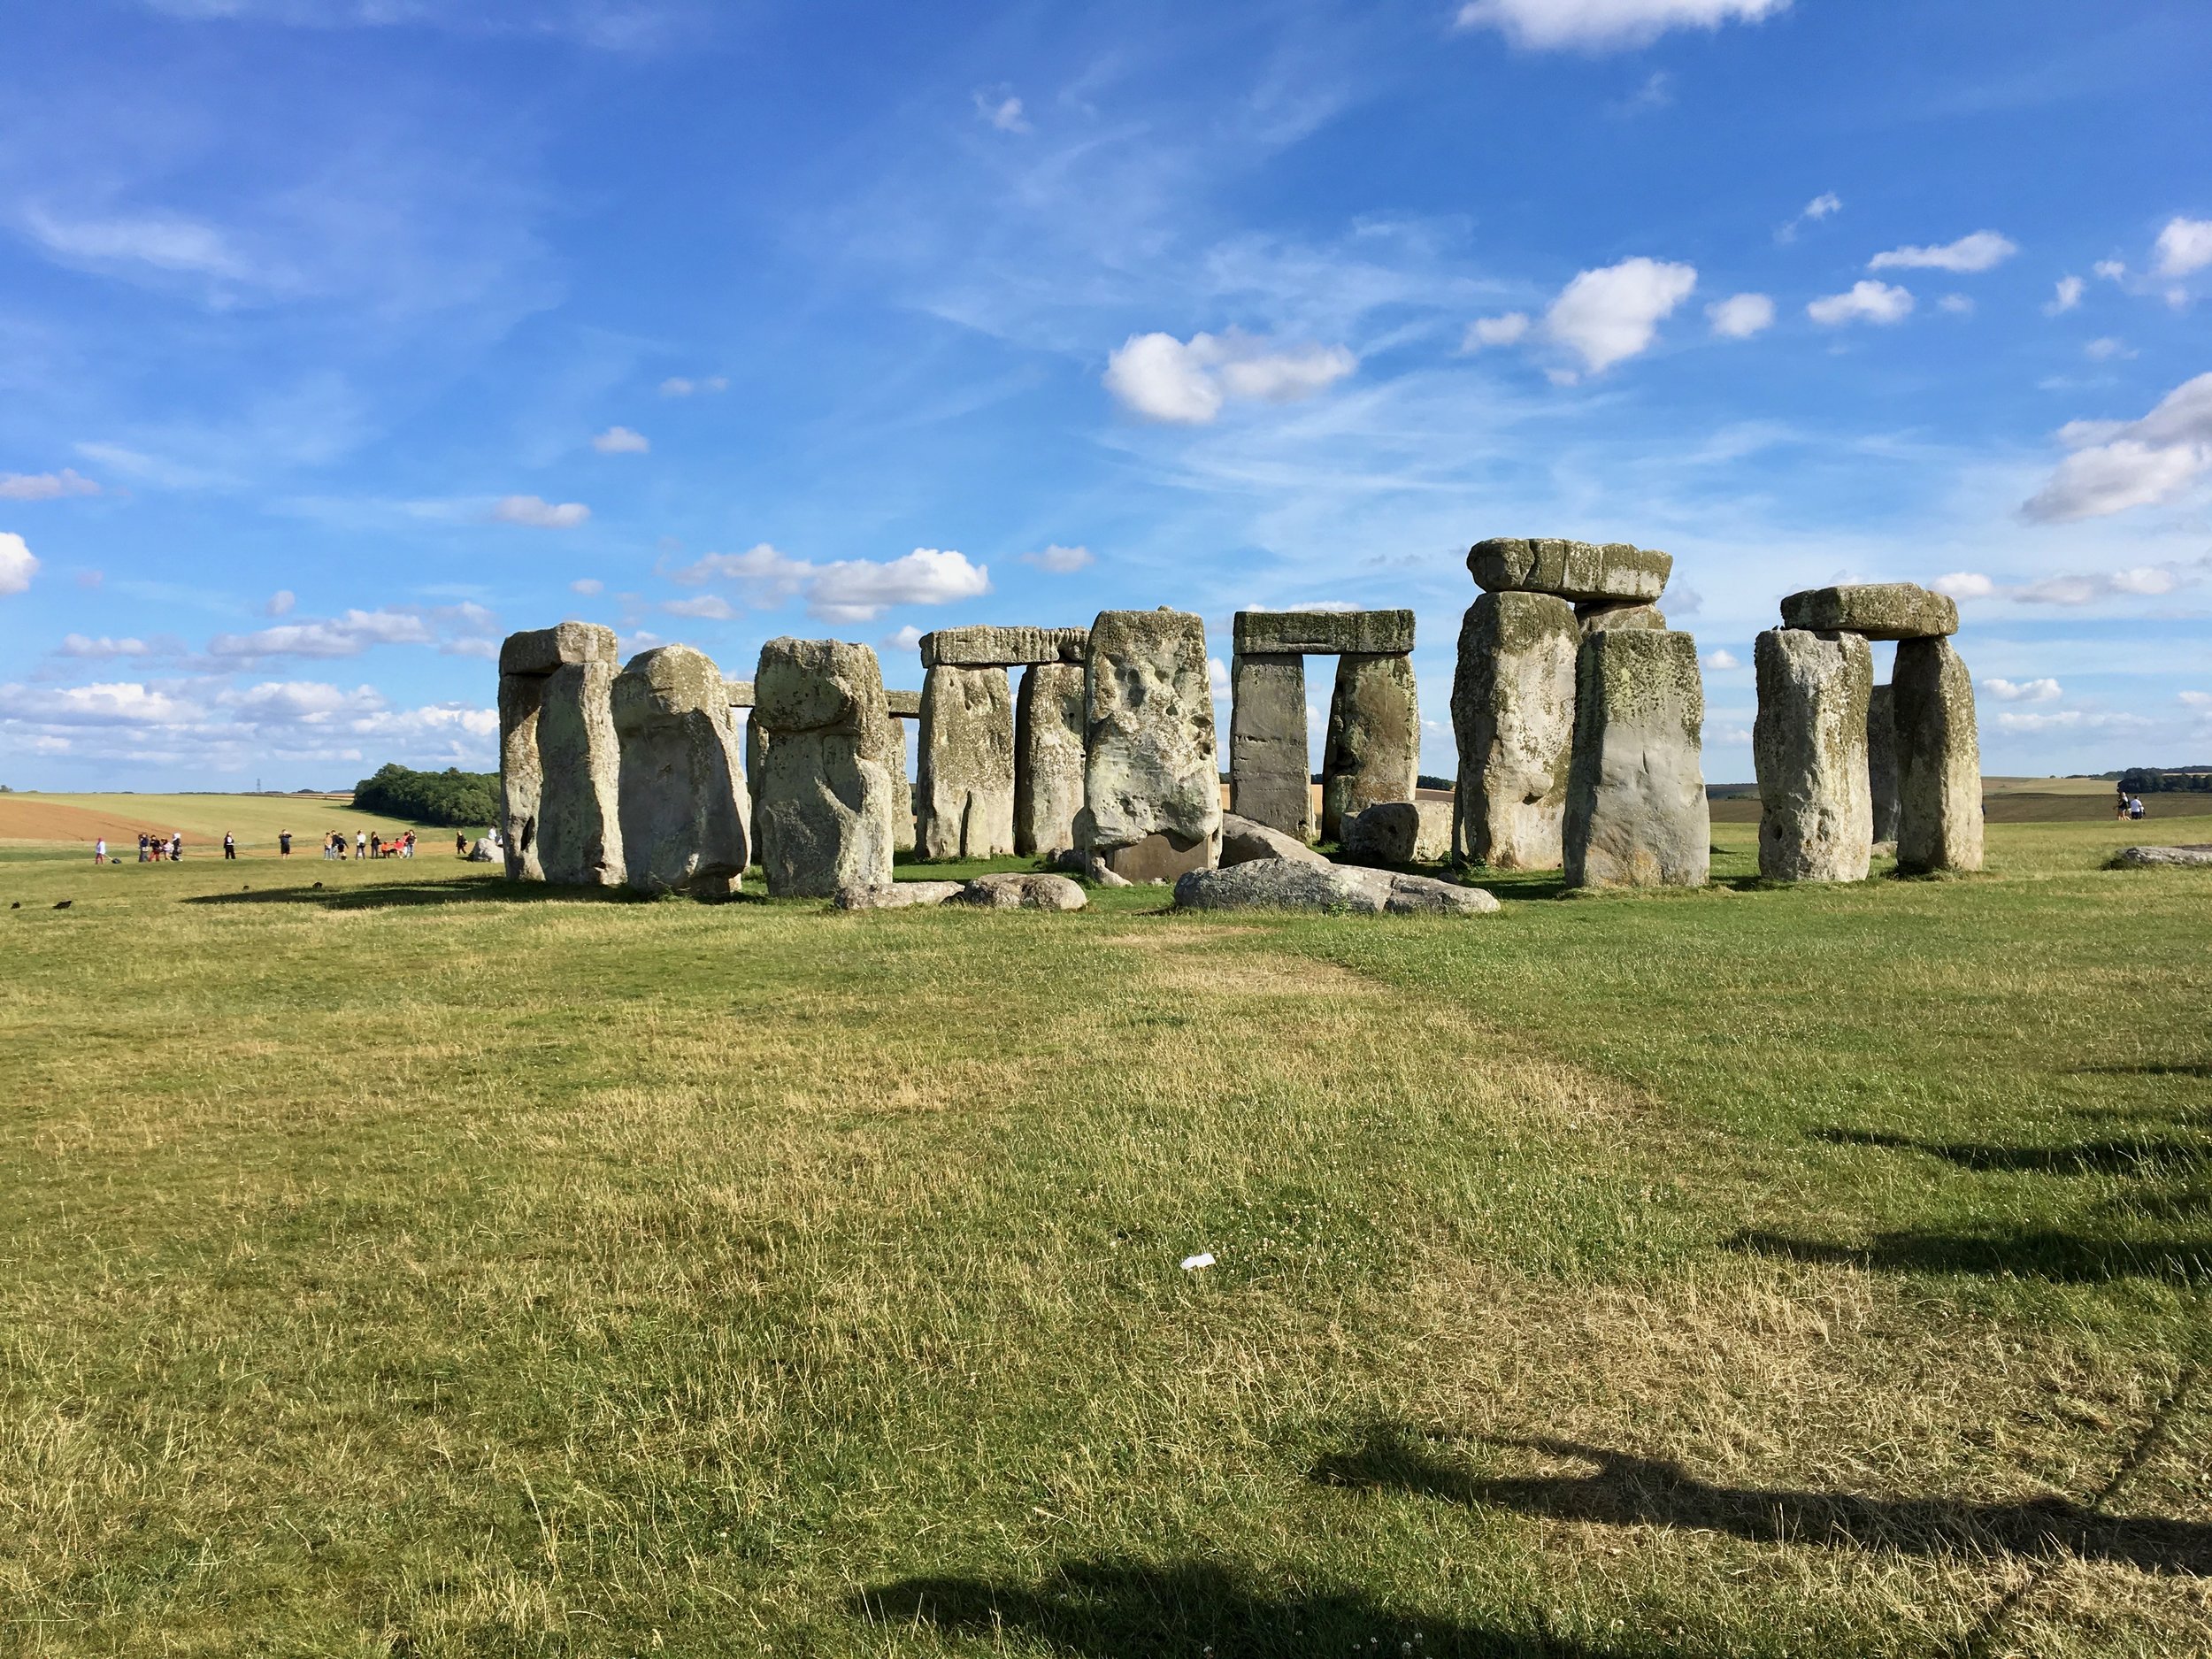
x,y
376,846
144,847
176,845
360,843
100,850
460,844
2135,806
284,843
230,845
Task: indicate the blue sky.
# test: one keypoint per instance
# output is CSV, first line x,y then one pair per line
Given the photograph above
x,y
339,338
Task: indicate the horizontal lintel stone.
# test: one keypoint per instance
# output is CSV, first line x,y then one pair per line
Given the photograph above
x,y
906,705
1578,570
1880,610
542,650
983,646
1323,633
739,693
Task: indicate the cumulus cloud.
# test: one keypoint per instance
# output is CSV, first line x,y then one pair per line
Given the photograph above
x,y
1610,314
1060,561
1494,331
682,386
1964,585
2023,690
1003,110
588,585
1720,660
1819,208
18,564
1980,251
536,513
2110,270
706,607
1160,378
1867,302
1740,316
1601,25
281,603
2067,295
2184,246
1217,678
621,440
355,632
906,639
45,485
79,645
2119,465
2139,581
847,590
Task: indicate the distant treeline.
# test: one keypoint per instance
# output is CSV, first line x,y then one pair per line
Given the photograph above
x,y
2166,779
452,796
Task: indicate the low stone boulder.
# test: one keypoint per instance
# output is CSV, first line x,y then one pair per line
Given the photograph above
x,y
899,895
1243,840
1020,891
1289,884
2158,857
1400,833
485,850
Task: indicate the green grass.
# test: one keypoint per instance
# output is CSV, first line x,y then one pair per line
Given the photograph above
x,y
423,1265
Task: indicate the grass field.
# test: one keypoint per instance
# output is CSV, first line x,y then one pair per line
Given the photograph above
x,y
72,821
415,1264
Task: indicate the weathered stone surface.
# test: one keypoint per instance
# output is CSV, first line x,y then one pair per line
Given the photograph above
x,y
1880,610
2197,855
903,705
1322,632
1809,744
756,755
1939,759
1400,833
1373,749
966,775
825,796
1881,766
1637,815
983,646
1593,617
484,850
1269,768
1513,713
1242,841
1291,884
682,803
542,650
1047,757
899,895
739,693
521,772
1152,780
1615,571
889,750
1022,892
579,836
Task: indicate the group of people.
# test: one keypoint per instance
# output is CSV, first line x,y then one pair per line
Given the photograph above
x,y
2128,806
152,850
367,844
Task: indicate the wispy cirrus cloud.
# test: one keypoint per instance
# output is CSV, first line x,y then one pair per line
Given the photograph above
x,y
45,485
1604,25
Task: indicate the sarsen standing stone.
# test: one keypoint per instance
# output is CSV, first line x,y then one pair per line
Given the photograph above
x,y
1152,778
683,800
1637,815
1809,743
825,796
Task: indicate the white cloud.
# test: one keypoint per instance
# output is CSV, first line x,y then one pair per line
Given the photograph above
x,y
17,565
2066,296
621,440
680,386
1964,585
850,590
2142,581
1160,378
167,241
120,702
907,639
706,607
1978,251
1720,660
1609,314
2103,350
2023,690
588,585
2118,464
2110,270
281,603
539,514
1867,302
45,485
1597,24
1003,110
355,632
1061,561
1217,678
78,645
2184,246
1494,331
1740,316
2196,699
1956,305
1819,208
2069,720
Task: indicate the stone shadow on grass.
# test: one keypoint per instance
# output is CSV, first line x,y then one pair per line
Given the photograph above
x,y
2089,1157
1627,1490
1109,1608
465,890
2062,1257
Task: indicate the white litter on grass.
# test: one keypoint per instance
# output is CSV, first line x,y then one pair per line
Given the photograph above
x,y
1205,1258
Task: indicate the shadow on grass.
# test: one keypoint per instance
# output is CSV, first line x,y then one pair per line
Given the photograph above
x,y
463,890
2089,1157
1625,1490
2061,1257
2149,1068
1112,1609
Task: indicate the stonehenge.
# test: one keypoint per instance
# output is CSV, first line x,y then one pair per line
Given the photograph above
x,y
1881,763
1809,747
1151,780
1048,758
683,804
1939,759
1637,815
825,796
558,763
972,771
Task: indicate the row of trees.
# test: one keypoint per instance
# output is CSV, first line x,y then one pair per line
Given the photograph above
x,y
2167,779
462,799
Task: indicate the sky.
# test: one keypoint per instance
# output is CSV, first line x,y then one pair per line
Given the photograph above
x,y
339,338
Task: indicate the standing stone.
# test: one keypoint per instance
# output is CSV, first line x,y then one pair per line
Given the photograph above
x,y
756,759
578,775
967,766
1048,758
683,803
902,785
1513,711
1637,815
1270,769
1151,778
579,811
1809,743
1881,763
826,795
1939,760
1373,750
521,774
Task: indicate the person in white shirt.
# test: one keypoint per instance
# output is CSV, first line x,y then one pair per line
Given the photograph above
x,y
100,850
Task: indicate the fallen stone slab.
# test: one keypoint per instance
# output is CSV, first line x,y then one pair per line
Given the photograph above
x,y
982,646
1809,747
1880,610
1614,572
542,650
1090,867
1020,891
899,895
1242,841
1289,884
2198,855
1400,833
903,705
1322,632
